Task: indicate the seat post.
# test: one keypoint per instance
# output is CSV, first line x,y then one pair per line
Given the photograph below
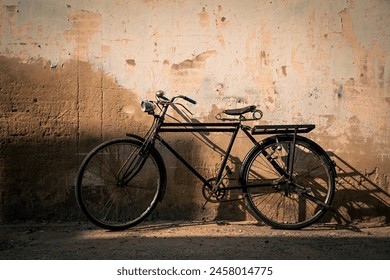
x,y
227,154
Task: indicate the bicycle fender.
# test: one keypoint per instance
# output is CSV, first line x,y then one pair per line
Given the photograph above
x,y
245,163
161,165
135,136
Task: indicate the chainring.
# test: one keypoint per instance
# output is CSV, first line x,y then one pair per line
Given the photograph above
x,y
214,197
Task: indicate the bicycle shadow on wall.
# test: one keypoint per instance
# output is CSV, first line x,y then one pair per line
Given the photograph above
x,y
358,198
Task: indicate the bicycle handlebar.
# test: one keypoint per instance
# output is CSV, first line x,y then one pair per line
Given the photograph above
x,y
186,98
161,94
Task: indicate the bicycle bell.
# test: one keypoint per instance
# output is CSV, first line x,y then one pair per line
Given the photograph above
x,y
160,93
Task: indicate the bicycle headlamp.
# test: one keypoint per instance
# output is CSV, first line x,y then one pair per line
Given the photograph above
x,y
147,106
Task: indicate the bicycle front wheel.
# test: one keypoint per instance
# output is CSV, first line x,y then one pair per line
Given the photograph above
x,y
284,201
117,186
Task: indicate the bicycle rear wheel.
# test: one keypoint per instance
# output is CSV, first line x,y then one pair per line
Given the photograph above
x,y
117,186
283,202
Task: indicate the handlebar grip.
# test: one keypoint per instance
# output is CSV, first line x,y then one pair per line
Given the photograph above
x,y
189,100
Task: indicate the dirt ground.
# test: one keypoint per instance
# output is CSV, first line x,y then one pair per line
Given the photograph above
x,y
194,240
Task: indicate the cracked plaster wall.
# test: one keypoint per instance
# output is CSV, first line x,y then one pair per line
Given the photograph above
x,y
73,73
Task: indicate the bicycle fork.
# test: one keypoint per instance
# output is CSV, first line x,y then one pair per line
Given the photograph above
x,y
134,163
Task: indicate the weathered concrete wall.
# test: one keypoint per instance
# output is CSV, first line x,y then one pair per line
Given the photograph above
x,y
73,73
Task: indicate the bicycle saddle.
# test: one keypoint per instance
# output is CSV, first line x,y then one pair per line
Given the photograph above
x,y
240,111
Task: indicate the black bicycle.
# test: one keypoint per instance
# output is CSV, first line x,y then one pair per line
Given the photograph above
x,y
287,180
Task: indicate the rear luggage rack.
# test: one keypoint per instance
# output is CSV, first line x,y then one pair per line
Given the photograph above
x,y
282,129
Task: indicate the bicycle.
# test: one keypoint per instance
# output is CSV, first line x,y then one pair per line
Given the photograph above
x,y
287,180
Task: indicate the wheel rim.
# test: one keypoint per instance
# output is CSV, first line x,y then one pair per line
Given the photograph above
x,y
287,206
105,196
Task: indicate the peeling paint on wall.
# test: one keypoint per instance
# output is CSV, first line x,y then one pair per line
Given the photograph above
x,y
188,75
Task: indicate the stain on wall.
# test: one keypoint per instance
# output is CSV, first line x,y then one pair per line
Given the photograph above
x,y
85,25
73,73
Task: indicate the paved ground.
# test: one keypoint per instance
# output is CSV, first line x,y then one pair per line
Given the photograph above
x,y
193,240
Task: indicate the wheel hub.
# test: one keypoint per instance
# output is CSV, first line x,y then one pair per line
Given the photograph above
x,y
121,184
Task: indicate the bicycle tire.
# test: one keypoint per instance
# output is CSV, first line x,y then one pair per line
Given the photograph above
x,y
298,202
104,196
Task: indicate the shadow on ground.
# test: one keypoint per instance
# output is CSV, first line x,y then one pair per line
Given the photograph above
x,y
187,240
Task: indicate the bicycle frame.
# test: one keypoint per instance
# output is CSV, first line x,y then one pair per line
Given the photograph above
x,y
233,127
